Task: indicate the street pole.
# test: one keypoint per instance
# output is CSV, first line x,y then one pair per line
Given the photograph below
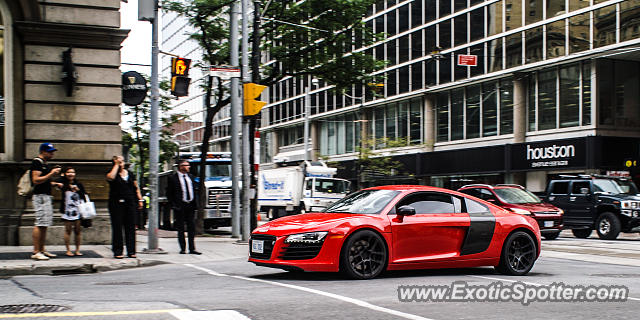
x,y
307,109
246,182
236,109
154,143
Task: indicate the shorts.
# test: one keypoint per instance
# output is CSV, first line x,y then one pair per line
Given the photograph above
x,y
43,206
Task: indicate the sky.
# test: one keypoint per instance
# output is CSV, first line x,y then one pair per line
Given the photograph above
x,y
137,47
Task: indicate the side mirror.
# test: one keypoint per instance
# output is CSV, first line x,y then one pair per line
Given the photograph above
x,y
584,190
406,211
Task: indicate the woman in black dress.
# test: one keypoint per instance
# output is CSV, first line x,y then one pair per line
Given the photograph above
x,y
124,198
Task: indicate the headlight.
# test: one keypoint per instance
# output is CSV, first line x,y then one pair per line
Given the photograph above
x,y
560,211
309,237
521,211
625,204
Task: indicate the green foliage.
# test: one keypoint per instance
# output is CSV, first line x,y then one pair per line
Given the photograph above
x,y
372,165
138,136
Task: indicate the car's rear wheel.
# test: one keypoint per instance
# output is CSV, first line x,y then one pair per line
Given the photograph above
x,y
551,235
608,226
518,254
364,255
581,233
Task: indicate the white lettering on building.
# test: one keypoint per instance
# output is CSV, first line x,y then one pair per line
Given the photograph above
x,y
552,152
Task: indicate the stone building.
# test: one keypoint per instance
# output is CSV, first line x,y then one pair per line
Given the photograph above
x,y
81,120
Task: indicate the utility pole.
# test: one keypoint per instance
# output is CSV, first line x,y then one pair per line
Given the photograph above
x,y
154,143
246,164
236,110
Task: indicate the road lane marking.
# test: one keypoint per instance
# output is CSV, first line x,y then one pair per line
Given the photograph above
x,y
529,283
86,314
208,315
357,302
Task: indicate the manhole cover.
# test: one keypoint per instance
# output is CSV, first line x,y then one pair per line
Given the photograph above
x,y
31,308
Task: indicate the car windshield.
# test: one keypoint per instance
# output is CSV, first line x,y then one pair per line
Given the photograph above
x,y
607,186
516,195
627,186
364,202
331,186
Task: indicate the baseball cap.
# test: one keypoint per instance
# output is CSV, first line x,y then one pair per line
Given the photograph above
x,y
47,147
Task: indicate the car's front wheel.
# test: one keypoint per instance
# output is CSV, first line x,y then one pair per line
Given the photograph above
x,y
608,226
518,254
364,255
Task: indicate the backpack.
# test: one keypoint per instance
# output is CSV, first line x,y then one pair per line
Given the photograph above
x,y
25,185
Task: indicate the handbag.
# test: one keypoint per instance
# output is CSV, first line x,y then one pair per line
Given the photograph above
x,y
85,223
87,208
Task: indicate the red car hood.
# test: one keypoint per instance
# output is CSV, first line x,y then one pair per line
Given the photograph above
x,y
537,207
306,222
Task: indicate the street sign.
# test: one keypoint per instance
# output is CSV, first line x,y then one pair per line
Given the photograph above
x,y
467,60
134,88
225,73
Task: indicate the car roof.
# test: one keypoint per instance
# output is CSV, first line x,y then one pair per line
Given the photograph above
x,y
497,186
408,187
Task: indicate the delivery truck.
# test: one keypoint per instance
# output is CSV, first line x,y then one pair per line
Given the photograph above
x,y
310,186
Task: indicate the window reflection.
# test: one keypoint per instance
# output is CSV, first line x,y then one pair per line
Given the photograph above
x,y
442,117
555,39
586,93
547,100
533,44
579,33
629,20
457,114
514,50
506,106
604,26
489,109
473,112
570,96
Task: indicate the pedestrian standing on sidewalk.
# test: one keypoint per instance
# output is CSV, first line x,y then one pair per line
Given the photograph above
x,y
41,177
124,198
181,194
73,194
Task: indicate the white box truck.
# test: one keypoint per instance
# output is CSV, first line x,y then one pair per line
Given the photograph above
x,y
298,189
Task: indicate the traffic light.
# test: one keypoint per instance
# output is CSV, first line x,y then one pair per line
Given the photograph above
x,y
180,76
251,92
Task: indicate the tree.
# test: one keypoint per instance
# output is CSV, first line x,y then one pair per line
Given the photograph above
x,y
138,137
306,39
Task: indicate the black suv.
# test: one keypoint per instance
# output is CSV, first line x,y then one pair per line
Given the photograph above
x,y
608,204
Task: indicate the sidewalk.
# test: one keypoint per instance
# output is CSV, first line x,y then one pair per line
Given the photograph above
x,y
15,260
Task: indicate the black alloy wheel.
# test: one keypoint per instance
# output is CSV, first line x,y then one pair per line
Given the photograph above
x,y
364,255
608,226
581,233
518,254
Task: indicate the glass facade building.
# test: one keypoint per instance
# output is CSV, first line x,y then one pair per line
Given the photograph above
x,y
546,69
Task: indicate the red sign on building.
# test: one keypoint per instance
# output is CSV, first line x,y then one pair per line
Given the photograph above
x,y
467,60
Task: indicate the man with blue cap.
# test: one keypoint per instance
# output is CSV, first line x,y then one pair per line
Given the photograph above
x,y
42,176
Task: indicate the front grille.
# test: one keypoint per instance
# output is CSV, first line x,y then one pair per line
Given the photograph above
x,y
300,251
556,223
269,242
219,198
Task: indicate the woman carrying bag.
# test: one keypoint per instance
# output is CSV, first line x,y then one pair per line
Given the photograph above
x,y
73,194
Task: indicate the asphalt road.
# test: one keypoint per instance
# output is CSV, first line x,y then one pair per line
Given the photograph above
x,y
205,290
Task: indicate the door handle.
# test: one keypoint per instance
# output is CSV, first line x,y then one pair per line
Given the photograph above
x,y
572,198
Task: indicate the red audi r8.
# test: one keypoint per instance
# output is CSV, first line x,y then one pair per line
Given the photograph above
x,y
397,228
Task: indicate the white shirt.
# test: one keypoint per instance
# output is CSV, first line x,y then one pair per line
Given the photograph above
x,y
186,190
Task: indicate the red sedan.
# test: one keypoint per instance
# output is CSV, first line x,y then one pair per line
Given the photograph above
x,y
399,228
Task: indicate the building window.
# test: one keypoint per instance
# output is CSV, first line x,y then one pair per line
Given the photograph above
x,y
506,106
618,95
570,96
489,109
547,99
472,112
457,114
442,117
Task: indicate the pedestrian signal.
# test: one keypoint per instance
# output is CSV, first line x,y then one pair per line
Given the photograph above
x,y
180,86
180,67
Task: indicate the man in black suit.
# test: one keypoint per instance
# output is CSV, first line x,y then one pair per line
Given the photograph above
x,y
181,193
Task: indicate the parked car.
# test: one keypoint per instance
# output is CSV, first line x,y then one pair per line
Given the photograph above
x,y
398,228
609,205
516,198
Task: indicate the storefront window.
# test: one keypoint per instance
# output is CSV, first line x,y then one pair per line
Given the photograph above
x,y
415,124
506,106
391,122
457,114
531,103
473,112
489,109
349,133
2,93
442,117
570,96
403,118
547,100
379,127
586,93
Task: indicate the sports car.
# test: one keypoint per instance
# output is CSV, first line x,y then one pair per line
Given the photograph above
x,y
398,228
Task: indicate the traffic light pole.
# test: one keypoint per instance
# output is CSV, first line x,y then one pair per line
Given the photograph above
x,y
154,143
246,163
236,111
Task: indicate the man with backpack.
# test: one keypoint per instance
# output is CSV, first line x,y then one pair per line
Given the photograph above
x,y
41,177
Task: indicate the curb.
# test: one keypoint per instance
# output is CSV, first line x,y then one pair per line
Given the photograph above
x,y
63,269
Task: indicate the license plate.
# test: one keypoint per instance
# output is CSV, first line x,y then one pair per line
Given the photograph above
x,y
548,224
257,246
